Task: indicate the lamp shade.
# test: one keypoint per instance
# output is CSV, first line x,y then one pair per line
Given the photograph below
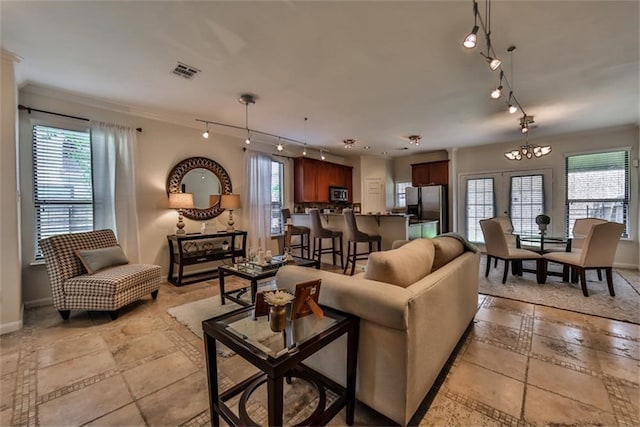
x,y
180,200
230,201
213,199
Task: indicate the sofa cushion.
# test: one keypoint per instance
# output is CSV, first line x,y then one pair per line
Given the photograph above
x,y
403,266
95,260
446,249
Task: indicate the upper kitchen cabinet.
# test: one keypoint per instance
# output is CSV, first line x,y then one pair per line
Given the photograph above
x,y
312,179
432,173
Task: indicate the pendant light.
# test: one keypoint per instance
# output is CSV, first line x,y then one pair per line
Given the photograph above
x,y
205,134
497,92
471,39
247,99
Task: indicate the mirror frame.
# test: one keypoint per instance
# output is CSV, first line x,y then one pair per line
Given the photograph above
x,y
174,181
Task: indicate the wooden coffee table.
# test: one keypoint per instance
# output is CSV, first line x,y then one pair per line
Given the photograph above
x,y
278,358
254,276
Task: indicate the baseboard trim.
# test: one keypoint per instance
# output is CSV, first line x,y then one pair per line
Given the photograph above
x,y
626,266
6,328
38,302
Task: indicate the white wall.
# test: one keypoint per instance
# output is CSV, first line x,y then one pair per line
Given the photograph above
x,y
490,158
160,146
10,280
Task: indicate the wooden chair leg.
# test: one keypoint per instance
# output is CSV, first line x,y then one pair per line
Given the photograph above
x,y
486,272
344,271
353,260
583,281
341,252
565,273
495,263
574,275
506,271
609,272
599,274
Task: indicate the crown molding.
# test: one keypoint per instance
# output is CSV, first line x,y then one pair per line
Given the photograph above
x,y
7,55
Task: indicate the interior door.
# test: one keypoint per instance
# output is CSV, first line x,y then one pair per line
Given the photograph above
x,y
373,195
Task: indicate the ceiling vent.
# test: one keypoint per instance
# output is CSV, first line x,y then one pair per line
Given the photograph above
x,y
184,70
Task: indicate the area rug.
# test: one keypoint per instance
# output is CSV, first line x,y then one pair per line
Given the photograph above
x,y
625,306
193,313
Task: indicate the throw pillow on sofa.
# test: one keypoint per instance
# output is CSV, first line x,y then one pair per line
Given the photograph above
x,y
446,249
403,266
95,260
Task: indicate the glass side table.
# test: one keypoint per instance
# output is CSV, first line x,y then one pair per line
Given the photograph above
x,y
280,356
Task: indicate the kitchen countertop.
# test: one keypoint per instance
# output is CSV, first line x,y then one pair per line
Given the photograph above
x,y
360,214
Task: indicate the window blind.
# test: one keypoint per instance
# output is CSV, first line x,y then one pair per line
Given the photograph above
x,y
401,194
480,205
62,186
526,202
597,186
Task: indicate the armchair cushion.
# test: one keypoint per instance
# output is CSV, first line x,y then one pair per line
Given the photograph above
x,y
95,260
111,281
403,266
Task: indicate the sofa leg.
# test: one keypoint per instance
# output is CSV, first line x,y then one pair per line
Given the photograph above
x,y
154,294
65,314
113,314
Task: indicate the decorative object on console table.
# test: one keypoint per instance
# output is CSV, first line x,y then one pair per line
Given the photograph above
x,y
180,201
230,202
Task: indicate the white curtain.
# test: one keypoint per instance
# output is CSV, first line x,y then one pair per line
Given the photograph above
x,y
257,199
113,152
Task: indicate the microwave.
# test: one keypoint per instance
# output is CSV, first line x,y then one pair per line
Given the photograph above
x,y
338,194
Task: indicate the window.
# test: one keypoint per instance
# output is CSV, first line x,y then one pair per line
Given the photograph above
x,y
480,205
526,201
277,172
62,187
401,194
598,187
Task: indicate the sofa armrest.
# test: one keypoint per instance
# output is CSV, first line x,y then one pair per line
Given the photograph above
x,y
376,302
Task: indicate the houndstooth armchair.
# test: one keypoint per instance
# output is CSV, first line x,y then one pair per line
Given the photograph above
x,y
73,288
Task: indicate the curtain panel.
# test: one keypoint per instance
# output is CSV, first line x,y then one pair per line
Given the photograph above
x,y
257,199
113,152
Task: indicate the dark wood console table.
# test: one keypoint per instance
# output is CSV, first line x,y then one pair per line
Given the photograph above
x,y
198,248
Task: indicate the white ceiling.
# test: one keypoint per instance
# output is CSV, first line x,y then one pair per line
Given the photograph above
x,y
373,71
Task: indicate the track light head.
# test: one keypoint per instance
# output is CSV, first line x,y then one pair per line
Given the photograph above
x,y
279,147
512,109
470,41
497,92
304,149
205,134
494,63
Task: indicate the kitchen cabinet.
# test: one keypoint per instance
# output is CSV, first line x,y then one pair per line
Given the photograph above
x,y
312,179
432,173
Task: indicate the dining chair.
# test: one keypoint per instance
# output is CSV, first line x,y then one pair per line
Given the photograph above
x,y
581,228
497,247
598,251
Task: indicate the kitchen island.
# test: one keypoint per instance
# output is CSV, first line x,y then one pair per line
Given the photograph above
x,y
390,227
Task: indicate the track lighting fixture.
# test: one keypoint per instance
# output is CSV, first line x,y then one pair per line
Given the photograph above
x,y
497,92
415,139
281,140
205,134
512,108
494,63
470,41
525,121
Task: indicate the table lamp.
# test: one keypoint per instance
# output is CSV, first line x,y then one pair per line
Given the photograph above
x,y
180,201
230,202
214,199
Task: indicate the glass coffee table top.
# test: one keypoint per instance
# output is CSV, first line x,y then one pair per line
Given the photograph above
x,y
257,336
256,270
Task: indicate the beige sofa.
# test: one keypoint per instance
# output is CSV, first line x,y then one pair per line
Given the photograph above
x,y
412,315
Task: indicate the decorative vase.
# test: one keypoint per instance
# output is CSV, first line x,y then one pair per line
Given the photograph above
x,y
268,257
277,317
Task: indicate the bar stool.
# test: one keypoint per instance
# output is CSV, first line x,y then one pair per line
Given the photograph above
x,y
356,236
318,232
298,230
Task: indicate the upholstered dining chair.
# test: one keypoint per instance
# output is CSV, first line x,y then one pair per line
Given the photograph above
x,y
497,247
355,236
581,228
598,251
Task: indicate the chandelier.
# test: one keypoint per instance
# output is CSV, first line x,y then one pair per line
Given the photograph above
x,y
528,150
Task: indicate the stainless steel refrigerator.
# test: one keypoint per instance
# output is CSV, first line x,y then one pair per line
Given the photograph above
x,y
429,203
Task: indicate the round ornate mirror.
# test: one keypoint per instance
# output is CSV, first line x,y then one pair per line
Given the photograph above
x,y
206,180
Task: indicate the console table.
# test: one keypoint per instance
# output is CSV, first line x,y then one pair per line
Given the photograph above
x,y
198,248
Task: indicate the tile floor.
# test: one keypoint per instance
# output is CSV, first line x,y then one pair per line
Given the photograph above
x,y
520,364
